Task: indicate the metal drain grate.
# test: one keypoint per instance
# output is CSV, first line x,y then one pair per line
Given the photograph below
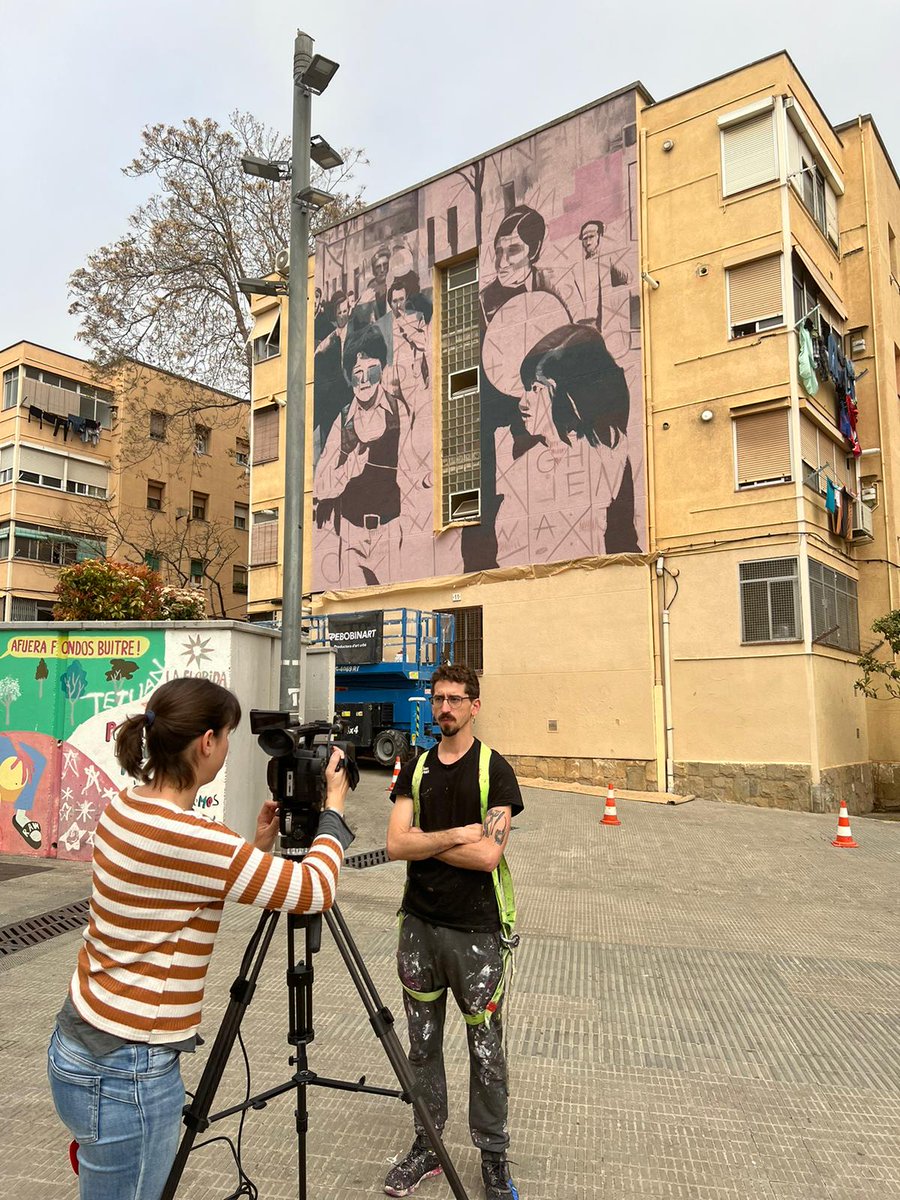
x,y
34,930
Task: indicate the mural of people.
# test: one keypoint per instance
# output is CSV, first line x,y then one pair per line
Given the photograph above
x,y
21,767
331,390
577,496
517,248
550,222
356,489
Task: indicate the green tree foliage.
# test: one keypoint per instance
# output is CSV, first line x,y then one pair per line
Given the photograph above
x,y
880,674
104,590
166,292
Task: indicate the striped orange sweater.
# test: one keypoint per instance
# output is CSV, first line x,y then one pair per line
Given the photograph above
x,y
160,879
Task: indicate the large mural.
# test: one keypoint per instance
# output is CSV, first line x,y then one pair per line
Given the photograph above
x,y
553,219
62,694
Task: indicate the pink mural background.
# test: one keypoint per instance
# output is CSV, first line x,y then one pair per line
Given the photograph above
x,y
553,219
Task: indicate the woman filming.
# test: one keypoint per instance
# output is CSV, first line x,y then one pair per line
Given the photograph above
x,y
161,874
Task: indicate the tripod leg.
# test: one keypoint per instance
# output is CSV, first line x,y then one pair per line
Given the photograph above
x,y
197,1112
382,1022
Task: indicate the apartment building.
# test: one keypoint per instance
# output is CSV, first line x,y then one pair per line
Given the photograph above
x,y
148,468
621,396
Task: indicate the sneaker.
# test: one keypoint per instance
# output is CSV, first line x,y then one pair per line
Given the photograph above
x,y
497,1182
421,1163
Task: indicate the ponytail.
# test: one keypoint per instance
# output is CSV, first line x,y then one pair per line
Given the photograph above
x,y
152,746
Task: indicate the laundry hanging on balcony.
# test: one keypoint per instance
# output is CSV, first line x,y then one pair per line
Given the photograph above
x,y
843,376
806,361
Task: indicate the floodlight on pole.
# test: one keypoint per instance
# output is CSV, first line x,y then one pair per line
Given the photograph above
x,y
263,287
263,168
317,74
312,198
324,155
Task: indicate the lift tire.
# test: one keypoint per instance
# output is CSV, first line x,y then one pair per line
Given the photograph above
x,y
388,745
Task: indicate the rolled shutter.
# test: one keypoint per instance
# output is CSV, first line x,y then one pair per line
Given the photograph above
x,y
754,290
749,153
41,462
763,447
809,444
92,474
265,435
831,215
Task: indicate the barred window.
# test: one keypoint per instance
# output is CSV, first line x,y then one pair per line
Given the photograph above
x,y
835,612
24,609
468,636
770,601
158,423
460,394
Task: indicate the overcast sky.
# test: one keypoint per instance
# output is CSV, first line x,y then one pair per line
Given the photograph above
x,y
422,86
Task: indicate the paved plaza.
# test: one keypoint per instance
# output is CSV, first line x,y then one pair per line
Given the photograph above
x,y
705,1006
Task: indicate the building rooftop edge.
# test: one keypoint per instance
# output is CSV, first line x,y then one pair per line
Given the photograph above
x,y
636,86
868,117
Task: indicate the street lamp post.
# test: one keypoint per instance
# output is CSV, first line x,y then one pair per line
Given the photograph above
x,y
312,74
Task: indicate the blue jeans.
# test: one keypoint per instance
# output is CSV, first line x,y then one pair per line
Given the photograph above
x,y
124,1110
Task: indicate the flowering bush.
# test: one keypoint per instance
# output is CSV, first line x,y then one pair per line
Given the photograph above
x,y
104,590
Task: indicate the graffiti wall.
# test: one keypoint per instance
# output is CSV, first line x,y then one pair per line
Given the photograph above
x,y
62,694
553,221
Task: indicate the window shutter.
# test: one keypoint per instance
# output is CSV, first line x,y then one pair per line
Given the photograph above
x,y
809,445
40,462
91,474
754,290
831,217
265,435
749,154
763,447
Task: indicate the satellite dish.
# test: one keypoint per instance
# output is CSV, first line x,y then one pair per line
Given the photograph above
x,y
283,261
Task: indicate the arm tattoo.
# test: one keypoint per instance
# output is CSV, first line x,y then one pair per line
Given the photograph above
x,y
495,825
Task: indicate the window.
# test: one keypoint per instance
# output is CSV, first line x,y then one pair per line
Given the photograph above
x,y
241,516
158,421
749,152
11,387
762,448
460,399
23,609
892,252
239,580
823,459
809,175
151,560
267,335
199,505
265,434
264,537
67,397
770,601
198,570
835,613
201,439
754,296
155,493
242,452
467,637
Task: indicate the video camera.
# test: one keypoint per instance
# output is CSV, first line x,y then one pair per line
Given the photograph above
x,y
295,775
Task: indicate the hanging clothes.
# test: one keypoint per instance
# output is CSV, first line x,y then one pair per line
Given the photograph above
x,y
831,497
37,413
805,361
76,424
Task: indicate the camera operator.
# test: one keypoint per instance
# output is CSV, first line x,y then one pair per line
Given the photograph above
x,y
450,821
161,874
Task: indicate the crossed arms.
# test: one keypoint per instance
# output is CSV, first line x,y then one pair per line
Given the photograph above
x,y
477,847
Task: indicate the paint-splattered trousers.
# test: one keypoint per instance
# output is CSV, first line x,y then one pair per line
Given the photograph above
x,y
469,965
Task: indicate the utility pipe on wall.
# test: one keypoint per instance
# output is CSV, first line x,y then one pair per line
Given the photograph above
x,y
666,664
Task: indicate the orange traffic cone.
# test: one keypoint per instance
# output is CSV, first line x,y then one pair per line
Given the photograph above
x,y
844,836
395,775
609,812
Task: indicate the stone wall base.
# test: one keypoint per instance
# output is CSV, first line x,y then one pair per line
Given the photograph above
x,y
780,785
887,786
636,775
864,786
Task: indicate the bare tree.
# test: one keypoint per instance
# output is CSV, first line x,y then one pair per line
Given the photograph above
x,y
166,292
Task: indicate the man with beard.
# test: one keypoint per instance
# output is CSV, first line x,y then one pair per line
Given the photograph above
x,y
451,819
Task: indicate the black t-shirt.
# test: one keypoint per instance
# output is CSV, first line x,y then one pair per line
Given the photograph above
x,y
449,795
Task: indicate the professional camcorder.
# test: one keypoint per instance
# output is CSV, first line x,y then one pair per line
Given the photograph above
x,y
296,773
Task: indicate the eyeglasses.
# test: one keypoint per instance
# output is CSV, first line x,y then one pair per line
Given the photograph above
x,y
453,701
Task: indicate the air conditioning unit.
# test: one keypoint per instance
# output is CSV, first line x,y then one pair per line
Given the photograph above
x,y
861,530
283,261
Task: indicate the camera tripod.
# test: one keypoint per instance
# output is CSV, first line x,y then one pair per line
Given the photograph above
x,y
300,973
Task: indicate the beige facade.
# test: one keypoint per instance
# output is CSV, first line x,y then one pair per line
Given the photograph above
x,y
148,468
720,658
